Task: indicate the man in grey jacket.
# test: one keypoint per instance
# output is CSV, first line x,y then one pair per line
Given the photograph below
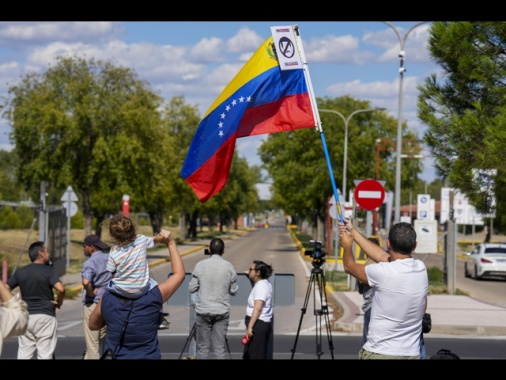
x,y
215,280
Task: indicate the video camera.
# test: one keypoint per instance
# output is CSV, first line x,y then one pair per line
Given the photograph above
x,y
317,253
207,252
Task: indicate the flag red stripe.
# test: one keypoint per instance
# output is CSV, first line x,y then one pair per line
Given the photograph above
x,y
206,186
289,113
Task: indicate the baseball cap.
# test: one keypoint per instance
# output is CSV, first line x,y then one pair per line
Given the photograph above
x,y
95,240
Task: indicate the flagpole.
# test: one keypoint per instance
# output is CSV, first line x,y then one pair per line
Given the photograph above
x,y
316,114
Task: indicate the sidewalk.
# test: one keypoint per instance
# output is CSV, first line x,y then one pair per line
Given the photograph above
x,y
451,315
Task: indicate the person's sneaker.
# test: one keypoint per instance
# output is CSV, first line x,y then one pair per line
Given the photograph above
x,y
164,324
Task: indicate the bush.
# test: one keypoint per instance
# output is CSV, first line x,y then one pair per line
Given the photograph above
x,y
77,221
26,216
9,218
435,275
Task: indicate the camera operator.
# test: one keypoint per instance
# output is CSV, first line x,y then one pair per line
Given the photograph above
x,y
215,279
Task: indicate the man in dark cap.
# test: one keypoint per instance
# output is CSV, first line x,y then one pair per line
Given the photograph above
x,y
95,278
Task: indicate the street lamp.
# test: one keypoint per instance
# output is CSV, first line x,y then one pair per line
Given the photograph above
x,y
388,143
346,121
402,41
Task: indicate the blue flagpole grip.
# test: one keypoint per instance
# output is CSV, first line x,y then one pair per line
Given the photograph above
x,y
331,173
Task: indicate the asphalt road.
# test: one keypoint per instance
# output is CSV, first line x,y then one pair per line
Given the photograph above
x,y
338,347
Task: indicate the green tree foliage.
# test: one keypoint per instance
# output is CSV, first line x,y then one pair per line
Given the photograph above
x,y
26,215
10,190
464,107
9,218
181,121
297,164
94,126
237,197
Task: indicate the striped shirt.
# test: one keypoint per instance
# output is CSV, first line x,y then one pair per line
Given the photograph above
x,y
130,265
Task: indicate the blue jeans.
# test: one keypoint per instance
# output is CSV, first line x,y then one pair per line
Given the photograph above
x,y
423,349
367,318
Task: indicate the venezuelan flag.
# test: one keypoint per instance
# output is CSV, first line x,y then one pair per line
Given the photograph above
x,y
260,99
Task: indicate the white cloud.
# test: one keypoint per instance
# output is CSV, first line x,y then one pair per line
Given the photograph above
x,y
414,44
332,49
37,32
245,40
209,50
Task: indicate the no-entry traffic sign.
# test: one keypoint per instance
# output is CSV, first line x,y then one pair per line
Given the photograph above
x,y
369,194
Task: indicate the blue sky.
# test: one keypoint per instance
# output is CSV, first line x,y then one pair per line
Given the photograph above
x,y
198,59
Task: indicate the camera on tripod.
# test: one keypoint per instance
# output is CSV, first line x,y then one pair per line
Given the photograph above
x,y
317,253
321,310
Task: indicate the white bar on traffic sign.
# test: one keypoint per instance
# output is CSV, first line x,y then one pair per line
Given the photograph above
x,y
369,194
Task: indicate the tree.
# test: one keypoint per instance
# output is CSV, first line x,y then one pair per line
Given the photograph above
x,y
464,109
238,196
91,125
10,190
181,121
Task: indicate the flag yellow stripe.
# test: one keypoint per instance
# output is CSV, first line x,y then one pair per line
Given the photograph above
x,y
262,60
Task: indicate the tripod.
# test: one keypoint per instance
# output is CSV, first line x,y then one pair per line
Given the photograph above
x,y
192,335
317,279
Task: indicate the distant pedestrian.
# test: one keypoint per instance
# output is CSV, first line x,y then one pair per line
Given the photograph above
x,y
95,279
214,280
400,285
259,311
36,282
13,315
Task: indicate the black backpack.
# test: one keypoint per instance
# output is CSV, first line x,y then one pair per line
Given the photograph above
x,y
444,354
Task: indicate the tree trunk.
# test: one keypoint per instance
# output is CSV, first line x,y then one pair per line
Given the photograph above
x,y
183,230
156,222
87,215
98,227
193,225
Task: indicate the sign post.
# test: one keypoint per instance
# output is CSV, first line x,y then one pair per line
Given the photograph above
x,y
69,198
426,234
369,195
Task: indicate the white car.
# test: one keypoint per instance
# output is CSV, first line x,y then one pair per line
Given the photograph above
x,y
487,259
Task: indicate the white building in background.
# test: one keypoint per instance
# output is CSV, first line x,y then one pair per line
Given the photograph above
x,y
264,191
464,212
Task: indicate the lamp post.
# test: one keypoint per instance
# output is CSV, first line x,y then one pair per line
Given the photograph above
x,y
380,145
346,121
402,42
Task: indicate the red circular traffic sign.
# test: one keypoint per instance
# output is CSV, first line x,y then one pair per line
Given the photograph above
x,y
369,194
